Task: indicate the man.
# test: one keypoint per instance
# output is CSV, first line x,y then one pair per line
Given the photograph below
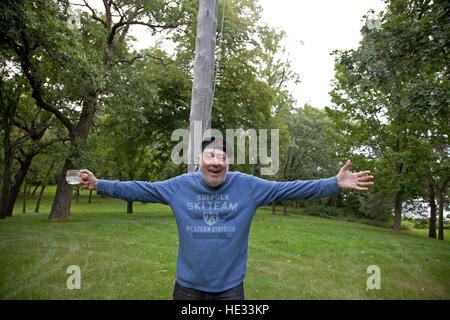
x,y
213,210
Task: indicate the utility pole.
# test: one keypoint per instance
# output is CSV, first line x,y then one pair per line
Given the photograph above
x,y
202,88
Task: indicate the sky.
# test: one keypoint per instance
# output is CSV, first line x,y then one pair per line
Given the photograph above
x,y
314,29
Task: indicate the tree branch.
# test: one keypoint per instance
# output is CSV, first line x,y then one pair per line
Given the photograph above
x,y
151,26
129,62
93,14
24,53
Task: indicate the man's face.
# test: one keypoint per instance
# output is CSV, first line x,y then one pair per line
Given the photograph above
x,y
214,166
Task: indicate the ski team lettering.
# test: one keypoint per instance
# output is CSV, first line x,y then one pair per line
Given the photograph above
x,y
212,208
210,202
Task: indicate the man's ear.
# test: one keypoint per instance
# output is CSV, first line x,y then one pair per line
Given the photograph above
x,y
200,161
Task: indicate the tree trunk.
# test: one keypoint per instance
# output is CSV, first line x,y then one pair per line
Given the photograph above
x,y
333,201
6,179
129,206
44,184
24,207
38,202
441,191
63,196
90,196
34,191
8,108
441,200
441,216
15,189
202,87
77,194
432,203
285,208
347,201
398,212
273,208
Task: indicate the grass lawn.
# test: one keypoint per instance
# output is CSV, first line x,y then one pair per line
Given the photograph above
x,y
133,256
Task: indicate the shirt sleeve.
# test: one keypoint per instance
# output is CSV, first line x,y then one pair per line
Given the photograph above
x,y
157,192
265,191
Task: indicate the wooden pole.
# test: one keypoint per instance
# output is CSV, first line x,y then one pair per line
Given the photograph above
x,y
202,88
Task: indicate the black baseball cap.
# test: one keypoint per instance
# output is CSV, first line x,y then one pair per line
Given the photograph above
x,y
217,143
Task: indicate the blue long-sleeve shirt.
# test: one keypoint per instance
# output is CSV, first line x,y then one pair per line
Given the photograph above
x,y
214,223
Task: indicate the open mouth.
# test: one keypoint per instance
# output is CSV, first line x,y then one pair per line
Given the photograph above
x,y
214,172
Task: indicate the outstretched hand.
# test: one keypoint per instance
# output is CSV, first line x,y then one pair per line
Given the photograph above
x,y
88,180
353,180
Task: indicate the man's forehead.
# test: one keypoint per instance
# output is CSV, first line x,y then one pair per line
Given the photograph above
x,y
215,151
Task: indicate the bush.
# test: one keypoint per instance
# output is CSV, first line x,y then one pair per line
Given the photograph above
x,y
421,223
378,206
324,211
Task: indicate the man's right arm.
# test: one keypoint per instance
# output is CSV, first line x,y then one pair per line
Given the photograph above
x,y
128,190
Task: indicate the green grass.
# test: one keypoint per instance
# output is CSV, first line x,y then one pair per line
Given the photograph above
x,y
133,256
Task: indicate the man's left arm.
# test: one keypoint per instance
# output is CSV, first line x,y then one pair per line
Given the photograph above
x,y
265,191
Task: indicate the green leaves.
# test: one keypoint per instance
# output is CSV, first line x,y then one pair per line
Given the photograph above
x,y
312,152
395,88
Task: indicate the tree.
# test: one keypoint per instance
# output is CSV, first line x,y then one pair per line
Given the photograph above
x,y
151,100
44,183
394,87
9,100
311,153
67,69
27,132
311,156
275,70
